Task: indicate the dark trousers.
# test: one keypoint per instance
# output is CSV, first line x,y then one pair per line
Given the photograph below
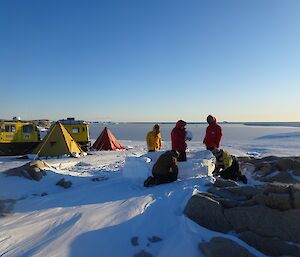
x,y
168,178
182,156
232,172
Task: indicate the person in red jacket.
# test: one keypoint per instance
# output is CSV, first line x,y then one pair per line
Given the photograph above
x,y
213,134
178,137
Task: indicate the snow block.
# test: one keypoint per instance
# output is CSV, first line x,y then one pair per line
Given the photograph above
x,y
136,167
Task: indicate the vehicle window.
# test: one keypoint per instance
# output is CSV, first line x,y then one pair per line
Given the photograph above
x,y
75,130
10,128
27,128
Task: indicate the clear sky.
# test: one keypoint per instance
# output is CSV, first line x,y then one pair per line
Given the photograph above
x,y
150,60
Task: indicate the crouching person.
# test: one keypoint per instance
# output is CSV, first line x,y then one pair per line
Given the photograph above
x,y
165,170
227,166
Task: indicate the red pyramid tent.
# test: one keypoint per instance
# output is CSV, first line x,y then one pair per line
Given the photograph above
x,y
107,141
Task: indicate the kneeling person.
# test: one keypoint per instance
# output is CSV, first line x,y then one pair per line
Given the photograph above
x,y
165,170
227,166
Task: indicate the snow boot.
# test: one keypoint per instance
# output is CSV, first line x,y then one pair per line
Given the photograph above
x,y
150,181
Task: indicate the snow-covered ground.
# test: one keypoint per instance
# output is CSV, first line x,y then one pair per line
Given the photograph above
x,y
107,211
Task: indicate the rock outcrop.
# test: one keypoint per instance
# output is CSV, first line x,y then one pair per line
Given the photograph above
x,y
219,246
34,170
269,246
64,183
274,169
267,213
207,212
219,182
267,217
6,206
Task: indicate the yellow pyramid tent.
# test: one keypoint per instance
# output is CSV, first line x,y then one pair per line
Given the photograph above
x,y
57,142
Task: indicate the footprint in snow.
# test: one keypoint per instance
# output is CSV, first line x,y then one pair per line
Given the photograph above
x,y
135,240
143,253
154,239
99,179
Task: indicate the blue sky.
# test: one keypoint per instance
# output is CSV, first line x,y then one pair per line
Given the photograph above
x,y
158,60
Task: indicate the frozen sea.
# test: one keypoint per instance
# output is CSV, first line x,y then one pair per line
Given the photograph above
x,y
240,139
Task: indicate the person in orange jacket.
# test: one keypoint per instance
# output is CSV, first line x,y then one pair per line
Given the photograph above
x,y
154,139
213,134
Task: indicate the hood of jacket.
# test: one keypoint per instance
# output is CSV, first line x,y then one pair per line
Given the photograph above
x,y
180,124
214,120
154,128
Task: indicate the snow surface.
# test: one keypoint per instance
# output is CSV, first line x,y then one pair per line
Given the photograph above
x,y
107,206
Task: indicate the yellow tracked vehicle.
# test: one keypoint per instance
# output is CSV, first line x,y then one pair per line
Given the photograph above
x,y
18,137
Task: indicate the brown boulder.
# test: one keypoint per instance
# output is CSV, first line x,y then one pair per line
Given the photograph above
x,y
269,246
281,177
225,202
296,172
271,164
265,221
296,200
280,196
225,183
274,201
263,169
64,183
286,164
279,188
269,211
219,246
236,193
34,170
207,212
